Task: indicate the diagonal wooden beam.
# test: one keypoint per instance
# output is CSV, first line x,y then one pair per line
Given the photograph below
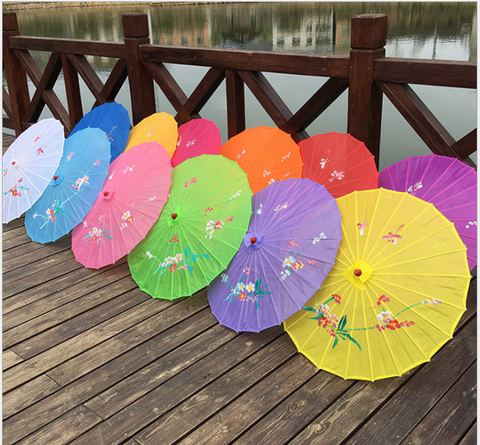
x,y
47,82
7,106
114,83
316,105
204,90
169,86
270,100
420,118
467,145
49,96
88,74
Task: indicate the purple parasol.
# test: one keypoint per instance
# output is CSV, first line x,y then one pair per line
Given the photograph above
x,y
288,250
447,183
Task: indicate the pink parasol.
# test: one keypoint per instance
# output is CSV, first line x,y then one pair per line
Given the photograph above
x,y
129,204
196,137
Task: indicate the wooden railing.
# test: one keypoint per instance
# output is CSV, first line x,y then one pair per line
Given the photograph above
x,y
366,72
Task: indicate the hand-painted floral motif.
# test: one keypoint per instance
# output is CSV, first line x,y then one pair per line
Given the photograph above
x,y
291,244
208,209
127,216
192,181
471,224
281,207
259,210
109,135
69,157
337,328
96,163
266,173
178,262
318,238
96,235
40,151
413,188
285,157
361,227
246,291
323,162
37,138
292,265
174,240
236,195
214,225
239,155
393,237
51,213
15,189
336,175
80,182
128,169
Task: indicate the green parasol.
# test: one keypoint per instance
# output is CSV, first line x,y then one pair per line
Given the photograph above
x,y
199,230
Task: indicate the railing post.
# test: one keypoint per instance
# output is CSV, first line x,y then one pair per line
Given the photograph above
x,y
368,38
14,73
235,103
135,31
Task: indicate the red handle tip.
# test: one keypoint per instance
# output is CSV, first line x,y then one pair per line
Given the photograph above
x,y
55,177
106,193
357,272
174,216
253,240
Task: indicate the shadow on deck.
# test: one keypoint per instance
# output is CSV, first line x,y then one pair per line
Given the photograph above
x,y
90,359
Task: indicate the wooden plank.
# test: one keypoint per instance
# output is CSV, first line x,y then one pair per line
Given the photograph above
x,y
111,372
147,409
64,428
28,394
69,46
110,304
452,416
426,72
288,63
420,118
194,411
358,404
59,291
31,252
10,359
38,318
88,74
471,437
141,337
47,360
14,224
227,425
410,404
7,105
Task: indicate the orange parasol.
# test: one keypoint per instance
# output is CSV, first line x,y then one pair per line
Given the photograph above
x,y
265,154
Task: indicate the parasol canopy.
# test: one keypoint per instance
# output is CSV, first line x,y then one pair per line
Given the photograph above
x,y
113,119
340,162
196,137
199,230
28,166
73,188
449,184
159,127
395,294
126,208
265,154
288,250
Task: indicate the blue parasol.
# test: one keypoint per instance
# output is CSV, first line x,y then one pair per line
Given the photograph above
x,y
113,119
74,187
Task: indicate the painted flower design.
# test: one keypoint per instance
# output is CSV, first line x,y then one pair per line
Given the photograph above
x,y
127,216
385,317
394,237
318,238
413,188
80,182
336,175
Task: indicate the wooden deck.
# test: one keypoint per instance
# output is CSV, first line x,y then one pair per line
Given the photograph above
x,y
90,359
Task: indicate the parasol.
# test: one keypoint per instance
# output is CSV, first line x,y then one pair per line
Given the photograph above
x,y
199,230
288,250
159,127
265,154
196,137
73,188
28,166
395,294
113,119
126,208
340,162
450,185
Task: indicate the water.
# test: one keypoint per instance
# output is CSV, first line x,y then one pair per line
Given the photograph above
x,y
433,30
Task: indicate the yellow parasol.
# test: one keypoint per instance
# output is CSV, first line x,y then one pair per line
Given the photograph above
x,y
395,294
161,128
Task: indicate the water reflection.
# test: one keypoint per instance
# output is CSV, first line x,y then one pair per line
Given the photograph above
x,y
430,30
